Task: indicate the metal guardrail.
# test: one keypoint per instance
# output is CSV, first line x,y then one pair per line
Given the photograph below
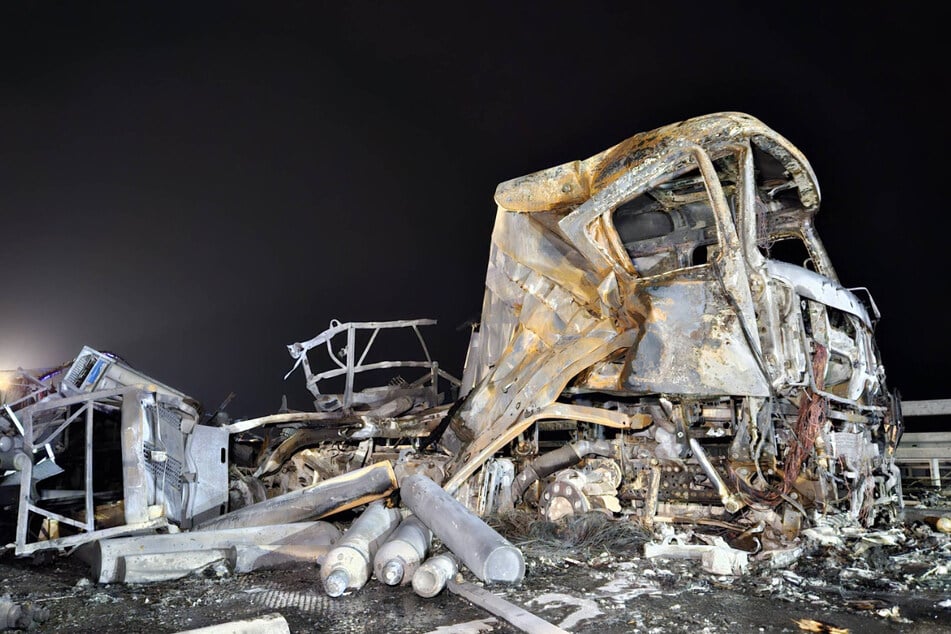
x,y
930,449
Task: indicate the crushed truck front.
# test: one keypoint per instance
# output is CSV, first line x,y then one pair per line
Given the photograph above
x,y
670,297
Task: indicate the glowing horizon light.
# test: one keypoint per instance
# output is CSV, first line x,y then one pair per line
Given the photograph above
x,y
26,354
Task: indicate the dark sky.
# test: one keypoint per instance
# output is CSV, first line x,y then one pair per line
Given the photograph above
x,y
193,186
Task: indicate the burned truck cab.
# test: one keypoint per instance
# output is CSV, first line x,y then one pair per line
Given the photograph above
x,y
667,310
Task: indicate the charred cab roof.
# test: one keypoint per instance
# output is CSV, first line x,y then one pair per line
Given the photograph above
x,y
572,183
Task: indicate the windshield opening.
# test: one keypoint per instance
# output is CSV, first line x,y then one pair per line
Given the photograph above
x,y
672,226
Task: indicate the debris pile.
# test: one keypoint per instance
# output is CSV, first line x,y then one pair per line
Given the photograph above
x,y
664,343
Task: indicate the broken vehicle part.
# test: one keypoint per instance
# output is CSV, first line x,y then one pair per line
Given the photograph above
x,y
516,615
577,491
64,427
716,556
561,458
147,558
431,577
165,450
352,427
349,565
400,556
490,557
381,402
333,495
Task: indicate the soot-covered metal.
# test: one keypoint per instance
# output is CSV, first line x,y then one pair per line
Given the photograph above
x,y
663,341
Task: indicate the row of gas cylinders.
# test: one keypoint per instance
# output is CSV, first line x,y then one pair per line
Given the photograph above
x,y
393,545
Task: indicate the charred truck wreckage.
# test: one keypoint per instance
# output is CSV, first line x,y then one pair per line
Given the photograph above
x,y
662,335
663,340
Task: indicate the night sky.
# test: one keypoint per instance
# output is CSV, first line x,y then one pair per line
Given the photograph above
x,y
194,186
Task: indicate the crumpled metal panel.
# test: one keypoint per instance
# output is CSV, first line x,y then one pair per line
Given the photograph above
x,y
692,344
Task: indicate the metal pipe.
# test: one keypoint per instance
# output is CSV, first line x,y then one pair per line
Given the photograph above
x,y
349,564
398,559
732,502
333,495
300,439
560,458
143,558
430,579
490,557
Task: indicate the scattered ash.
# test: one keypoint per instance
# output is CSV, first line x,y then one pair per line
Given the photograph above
x,y
584,574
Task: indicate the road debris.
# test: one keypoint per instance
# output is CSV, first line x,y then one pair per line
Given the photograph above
x,y
812,625
10,614
716,555
14,616
468,627
587,609
266,624
521,618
